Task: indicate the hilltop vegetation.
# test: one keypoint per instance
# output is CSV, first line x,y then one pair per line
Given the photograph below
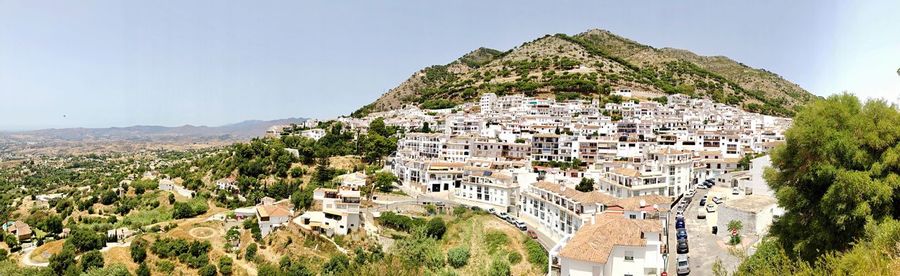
x,y
590,65
838,178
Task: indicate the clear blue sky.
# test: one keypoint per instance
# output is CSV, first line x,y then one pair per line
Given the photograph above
x,y
120,63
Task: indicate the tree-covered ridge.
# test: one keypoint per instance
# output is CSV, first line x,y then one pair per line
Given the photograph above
x,y
600,61
838,178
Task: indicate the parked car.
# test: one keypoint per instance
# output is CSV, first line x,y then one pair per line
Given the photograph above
x,y
702,186
682,247
492,211
679,224
681,234
715,230
521,225
718,200
701,214
682,267
735,191
702,202
689,194
710,208
532,234
511,220
503,216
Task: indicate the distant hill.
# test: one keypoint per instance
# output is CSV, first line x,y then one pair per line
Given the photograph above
x,y
591,65
85,140
242,130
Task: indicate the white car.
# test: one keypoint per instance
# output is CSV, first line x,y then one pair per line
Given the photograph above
x,y
503,216
683,267
711,208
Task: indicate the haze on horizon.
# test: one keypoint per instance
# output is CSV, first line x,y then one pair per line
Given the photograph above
x,y
109,63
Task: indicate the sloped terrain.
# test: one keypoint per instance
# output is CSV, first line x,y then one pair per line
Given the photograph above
x,y
591,65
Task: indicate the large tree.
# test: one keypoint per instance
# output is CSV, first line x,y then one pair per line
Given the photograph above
x,y
837,174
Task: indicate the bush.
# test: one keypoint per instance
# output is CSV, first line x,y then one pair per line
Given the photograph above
x,y
536,254
138,250
514,258
458,257
250,252
208,270
225,265
499,267
399,222
494,240
336,265
436,228
165,266
142,270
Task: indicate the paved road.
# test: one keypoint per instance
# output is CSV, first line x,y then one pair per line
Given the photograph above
x,y
704,247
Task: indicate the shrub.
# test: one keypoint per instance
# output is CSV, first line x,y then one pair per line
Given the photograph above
x,y
499,267
208,270
536,254
336,265
225,265
138,250
514,258
436,228
165,266
458,257
494,240
250,252
142,270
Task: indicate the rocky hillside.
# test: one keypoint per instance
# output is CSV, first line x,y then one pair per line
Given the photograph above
x,y
591,65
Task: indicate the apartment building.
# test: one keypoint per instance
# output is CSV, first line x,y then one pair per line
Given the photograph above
x,y
559,210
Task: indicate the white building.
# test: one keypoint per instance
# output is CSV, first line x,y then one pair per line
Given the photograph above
x,y
611,245
558,210
340,213
270,217
315,134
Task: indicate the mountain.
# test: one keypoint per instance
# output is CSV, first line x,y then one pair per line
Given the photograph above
x,y
79,140
242,130
591,65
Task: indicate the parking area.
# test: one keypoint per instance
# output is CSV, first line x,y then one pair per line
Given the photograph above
x,y
704,248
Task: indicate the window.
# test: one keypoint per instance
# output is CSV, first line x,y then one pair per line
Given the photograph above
x,y
632,216
629,255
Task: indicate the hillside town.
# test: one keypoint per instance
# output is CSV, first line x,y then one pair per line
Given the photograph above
x,y
603,186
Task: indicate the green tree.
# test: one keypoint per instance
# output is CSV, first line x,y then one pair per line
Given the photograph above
x,y
586,185
63,262
84,239
92,259
384,181
138,250
837,174
54,225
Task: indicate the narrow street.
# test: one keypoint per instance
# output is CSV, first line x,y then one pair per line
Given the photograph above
x,y
704,248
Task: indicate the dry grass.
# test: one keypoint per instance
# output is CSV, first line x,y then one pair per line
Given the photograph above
x,y
470,232
52,248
